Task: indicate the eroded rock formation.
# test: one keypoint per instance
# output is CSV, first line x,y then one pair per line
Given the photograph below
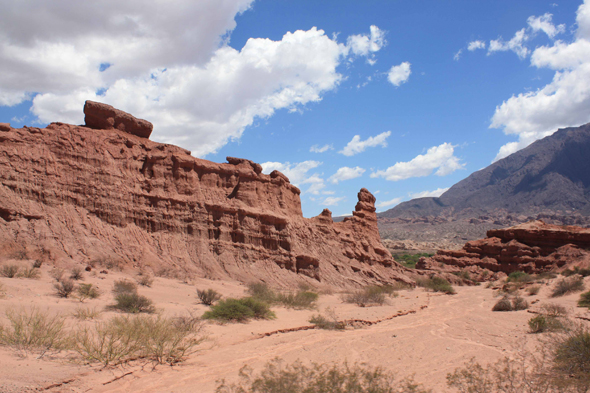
x,y
533,247
106,192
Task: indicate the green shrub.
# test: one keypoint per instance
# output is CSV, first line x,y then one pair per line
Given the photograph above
x,y
133,303
568,285
239,310
9,271
436,284
64,288
554,310
124,286
318,378
298,300
584,300
538,324
576,270
571,356
519,277
262,292
328,322
84,314
371,295
88,291
209,296
409,260
32,273
34,330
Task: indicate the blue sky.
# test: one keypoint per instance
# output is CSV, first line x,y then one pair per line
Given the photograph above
x,y
405,98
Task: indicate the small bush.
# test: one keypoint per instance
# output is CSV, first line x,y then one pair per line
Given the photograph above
x,y
37,264
538,324
572,355
88,291
34,330
209,296
239,310
519,277
318,378
84,314
371,295
57,274
145,280
503,304
554,310
9,271
410,260
436,284
584,300
133,303
534,290
32,273
519,303
299,299
328,322
124,286
262,292
76,273
568,285
576,270
64,288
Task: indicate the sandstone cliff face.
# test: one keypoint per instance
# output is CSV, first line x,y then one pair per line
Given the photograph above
x,y
75,194
533,247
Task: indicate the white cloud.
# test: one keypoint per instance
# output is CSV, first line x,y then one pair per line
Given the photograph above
x,y
391,202
543,23
563,102
434,193
474,45
298,174
346,173
458,55
516,44
356,146
318,149
332,201
439,158
399,74
367,45
167,64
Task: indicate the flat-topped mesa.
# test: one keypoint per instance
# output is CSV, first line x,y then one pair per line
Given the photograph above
x,y
104,117
80,196
532,247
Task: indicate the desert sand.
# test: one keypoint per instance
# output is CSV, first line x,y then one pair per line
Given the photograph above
x,y
439,334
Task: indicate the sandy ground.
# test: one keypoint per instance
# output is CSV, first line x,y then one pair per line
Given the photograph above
x,y
443,333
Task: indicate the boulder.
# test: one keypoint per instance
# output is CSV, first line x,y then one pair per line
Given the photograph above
x,y
104,117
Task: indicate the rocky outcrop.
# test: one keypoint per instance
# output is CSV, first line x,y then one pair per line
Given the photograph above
x,y
75,194
533,247
104,117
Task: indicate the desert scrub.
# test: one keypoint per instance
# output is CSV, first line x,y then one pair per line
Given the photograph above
x,y
584,300
370,295
568,285
33,330
159,339
318,378
145,280
303,298
534,290
124,286
64,288
262,292
209,296
409,260
329,321
86,313
76,273
88,291
30,272
133,303
239,310
506,303
436,284
9,271
576,270
519,277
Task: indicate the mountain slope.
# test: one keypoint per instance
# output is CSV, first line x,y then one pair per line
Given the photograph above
x,y
552,174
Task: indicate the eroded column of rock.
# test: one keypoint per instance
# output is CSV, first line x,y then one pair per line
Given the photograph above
x,y
77,194
532,247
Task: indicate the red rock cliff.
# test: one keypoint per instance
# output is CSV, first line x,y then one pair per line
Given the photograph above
x,y
77,193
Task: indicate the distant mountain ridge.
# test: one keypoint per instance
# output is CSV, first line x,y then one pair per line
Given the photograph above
x,y
550,175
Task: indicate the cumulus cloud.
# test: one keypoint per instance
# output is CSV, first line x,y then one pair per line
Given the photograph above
x,y
544,23
356,146
168,64
318,149
564,102
346,173
332,201
438,159
516,44
434,193
399,74
298,173
474,45
367,45
458,55
391,202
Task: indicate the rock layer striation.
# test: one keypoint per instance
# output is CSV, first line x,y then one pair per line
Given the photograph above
x,y
105,192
